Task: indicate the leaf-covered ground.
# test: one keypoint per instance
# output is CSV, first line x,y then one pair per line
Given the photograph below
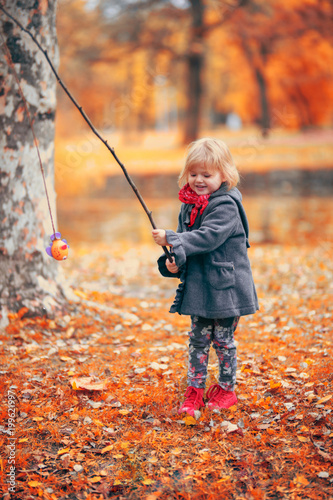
x,y
96,391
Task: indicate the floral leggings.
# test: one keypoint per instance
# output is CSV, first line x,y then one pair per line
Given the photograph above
x,y
220,332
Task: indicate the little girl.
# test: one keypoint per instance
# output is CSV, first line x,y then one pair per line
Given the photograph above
x,y
210,258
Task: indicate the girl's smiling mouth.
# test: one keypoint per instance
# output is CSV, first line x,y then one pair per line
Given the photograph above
x,y
200,188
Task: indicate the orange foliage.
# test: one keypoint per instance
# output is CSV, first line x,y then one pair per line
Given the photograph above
x,y
117,78
120,436
125,85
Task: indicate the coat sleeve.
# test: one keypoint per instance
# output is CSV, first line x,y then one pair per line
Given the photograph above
x,y
161,263
218,224
163,268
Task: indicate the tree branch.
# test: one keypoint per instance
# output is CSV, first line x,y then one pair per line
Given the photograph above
x,y
228,13
85,117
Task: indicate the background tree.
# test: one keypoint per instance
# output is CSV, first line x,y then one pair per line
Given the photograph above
x,y
172,32
284,44
28,276
129,63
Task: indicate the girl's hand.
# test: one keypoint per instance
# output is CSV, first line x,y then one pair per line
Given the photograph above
x,y
171,266
159,236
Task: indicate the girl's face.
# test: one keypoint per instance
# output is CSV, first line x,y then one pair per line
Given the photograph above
x,y
203,180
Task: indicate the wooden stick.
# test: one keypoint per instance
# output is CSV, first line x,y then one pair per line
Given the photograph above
x,y
111,149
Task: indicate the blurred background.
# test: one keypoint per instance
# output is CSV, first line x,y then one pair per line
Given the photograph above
x,y
154,75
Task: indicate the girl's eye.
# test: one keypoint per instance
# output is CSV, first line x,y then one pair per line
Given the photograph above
x,y
192,175
207,175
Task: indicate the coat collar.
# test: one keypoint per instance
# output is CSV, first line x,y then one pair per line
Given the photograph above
x,y
223,189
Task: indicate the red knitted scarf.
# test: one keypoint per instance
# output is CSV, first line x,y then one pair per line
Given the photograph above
x,y
187,195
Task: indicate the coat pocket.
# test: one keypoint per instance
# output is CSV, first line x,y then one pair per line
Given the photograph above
x,y
221,275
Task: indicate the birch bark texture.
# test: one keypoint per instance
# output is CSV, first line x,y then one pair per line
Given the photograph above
x,y
28,276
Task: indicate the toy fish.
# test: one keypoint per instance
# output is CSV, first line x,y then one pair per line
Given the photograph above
x,y
58,248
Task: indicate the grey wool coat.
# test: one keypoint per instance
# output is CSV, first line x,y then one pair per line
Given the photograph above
x,y
214,269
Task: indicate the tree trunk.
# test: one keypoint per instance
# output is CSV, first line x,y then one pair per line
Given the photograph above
x,y
29,277
195,60
257,68
265,121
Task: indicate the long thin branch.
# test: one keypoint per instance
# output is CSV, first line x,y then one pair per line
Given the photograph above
x,y
105,142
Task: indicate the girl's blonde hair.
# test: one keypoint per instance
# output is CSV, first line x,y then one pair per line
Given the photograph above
x,y
214,154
